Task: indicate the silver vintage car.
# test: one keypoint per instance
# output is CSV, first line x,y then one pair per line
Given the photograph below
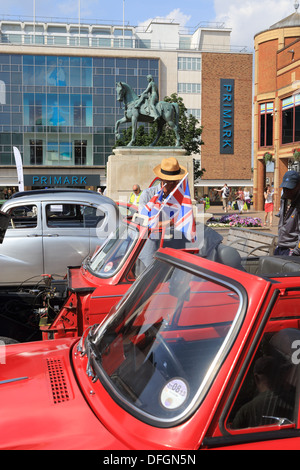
x,y
52,229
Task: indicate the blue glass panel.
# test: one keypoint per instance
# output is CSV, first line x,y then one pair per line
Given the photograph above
x,y
86,100
57,75
109,62
121,63
40,60
65,151
98,80
87,62
87,77
51,61
28,75
98,62
75,77
64,100
28,59
75,61
64,61
89,117
40,75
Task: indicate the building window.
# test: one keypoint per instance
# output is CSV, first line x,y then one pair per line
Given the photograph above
x,y
196,112
291,119
36,152
189,63
266,124
80,152
189,88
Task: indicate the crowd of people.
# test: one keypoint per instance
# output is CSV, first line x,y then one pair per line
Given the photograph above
x,y
7,192
233,199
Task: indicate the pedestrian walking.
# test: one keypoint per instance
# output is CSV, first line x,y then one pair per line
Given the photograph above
x,y
225,196
269,204
240,199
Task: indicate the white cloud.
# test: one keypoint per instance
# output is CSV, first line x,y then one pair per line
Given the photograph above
x,y
249,17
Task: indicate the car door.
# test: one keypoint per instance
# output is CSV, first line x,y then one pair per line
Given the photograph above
x,y
67,234
262,411
21,253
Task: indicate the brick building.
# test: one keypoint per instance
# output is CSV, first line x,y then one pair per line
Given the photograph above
x,y
58,96
276,103
227,133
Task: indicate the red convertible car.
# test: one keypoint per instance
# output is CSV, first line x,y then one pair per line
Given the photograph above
x,y
58,308
196,355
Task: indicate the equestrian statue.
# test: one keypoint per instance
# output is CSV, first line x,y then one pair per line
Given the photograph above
x,y
146,108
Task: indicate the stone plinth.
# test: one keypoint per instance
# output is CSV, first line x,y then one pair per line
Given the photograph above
x,y
134,165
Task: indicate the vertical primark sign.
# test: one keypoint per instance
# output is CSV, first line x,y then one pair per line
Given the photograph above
x,y
227,116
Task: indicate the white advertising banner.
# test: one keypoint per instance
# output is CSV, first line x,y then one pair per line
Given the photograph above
x,y
19,165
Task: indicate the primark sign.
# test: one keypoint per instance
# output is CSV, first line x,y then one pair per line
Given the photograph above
x,y
61,180
227,116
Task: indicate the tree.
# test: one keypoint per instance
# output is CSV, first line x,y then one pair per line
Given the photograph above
x,y
189,129
198,173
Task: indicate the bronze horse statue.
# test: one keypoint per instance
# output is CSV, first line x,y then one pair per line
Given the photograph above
x,y
169,113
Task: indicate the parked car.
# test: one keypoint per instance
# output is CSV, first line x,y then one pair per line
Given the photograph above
x,y
51,230
196,355
4,221
57,308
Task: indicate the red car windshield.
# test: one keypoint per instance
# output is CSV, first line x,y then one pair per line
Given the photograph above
x,y
158,354
111,256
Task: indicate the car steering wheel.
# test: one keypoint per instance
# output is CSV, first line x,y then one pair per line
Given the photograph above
x,y
170,355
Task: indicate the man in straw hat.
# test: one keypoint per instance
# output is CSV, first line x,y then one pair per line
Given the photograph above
x,y
170,173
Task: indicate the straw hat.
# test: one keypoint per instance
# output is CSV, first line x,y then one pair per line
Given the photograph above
x,y
170,170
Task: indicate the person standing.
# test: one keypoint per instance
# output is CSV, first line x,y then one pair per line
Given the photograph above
x,y
206,202
240,199
170,172
247,198
134,197
225,195
269,204
289,221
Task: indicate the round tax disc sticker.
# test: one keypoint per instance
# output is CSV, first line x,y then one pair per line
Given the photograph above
x,y
174,394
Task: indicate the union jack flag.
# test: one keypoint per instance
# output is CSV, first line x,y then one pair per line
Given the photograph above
x,y
183,215
153,208
177,206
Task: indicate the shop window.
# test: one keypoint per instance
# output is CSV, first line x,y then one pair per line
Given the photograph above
x,y
291,119
266,124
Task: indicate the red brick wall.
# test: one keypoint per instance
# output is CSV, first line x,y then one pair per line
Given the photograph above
x,y
239,68
267,66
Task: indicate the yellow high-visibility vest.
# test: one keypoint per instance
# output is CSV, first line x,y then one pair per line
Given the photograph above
x,y
134,199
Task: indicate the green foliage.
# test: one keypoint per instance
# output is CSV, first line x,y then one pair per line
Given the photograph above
x,y
189,129
198,173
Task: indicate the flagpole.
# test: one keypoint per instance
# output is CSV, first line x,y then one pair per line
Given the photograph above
x,y
78,22
34,21
123,23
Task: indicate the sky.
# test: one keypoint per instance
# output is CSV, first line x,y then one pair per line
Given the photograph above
x,y
245,17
